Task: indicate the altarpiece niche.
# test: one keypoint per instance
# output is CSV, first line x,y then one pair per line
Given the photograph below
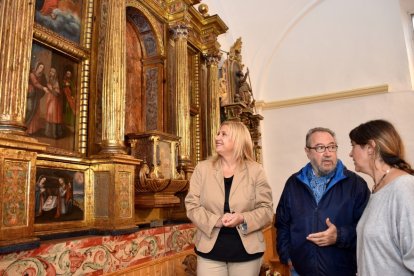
x,y
237,101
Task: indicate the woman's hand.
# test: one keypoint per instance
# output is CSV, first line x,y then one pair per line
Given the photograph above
x,y
232,219
219,224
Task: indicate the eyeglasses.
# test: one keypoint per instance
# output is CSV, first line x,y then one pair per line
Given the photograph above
x,y
320,149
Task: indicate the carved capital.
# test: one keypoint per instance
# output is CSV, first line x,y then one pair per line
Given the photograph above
x,y
212,59
179,31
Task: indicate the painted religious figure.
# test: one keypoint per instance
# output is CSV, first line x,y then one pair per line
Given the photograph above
x,y
54,127
59,195
61,16
37,89
70,96
52,98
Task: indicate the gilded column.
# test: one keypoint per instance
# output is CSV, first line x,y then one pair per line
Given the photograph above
x,y
113,87
214,107
17,151
15,48
114,170
180,35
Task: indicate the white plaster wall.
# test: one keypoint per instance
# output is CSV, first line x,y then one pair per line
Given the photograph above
x,y
300,48
339,45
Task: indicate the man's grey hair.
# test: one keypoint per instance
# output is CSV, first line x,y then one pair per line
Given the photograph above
x,y
318,129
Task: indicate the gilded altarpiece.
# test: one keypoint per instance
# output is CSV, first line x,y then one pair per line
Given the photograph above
x,y
164,106
44,111
106,110
62,199
58,115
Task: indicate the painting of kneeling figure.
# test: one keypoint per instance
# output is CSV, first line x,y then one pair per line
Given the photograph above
x,y
59,195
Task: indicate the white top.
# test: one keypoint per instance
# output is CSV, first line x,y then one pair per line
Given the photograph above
x,y
385,243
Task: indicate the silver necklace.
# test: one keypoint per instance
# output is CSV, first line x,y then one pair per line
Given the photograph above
x,y
380,181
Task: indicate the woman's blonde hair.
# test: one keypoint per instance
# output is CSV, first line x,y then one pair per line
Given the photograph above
x,y
243,145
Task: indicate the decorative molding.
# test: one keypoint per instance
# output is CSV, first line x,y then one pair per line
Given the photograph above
x,y
260,104
47,37
361,92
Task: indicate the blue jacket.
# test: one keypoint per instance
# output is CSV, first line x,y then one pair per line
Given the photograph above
x,y
298,215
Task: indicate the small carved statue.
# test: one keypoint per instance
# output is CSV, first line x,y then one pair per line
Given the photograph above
x,y
245,94
223,93
235,51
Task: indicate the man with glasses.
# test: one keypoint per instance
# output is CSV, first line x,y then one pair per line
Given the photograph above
x,y
318,212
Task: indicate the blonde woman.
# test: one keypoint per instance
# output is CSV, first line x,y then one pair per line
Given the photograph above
x,y
230,202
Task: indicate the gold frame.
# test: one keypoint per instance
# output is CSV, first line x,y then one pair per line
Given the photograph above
x,y
75,225
81,54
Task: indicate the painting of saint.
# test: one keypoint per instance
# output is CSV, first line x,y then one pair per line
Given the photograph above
x,y
70,98
51,98
61,16
37,89
54,127
40,193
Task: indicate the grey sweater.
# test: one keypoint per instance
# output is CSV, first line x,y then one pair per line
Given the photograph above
x,y
385,243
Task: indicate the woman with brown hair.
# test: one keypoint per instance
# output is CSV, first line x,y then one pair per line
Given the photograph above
x,y
385,244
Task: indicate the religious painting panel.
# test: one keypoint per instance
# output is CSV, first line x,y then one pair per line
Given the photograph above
x,y
63,17
59,195
52,98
